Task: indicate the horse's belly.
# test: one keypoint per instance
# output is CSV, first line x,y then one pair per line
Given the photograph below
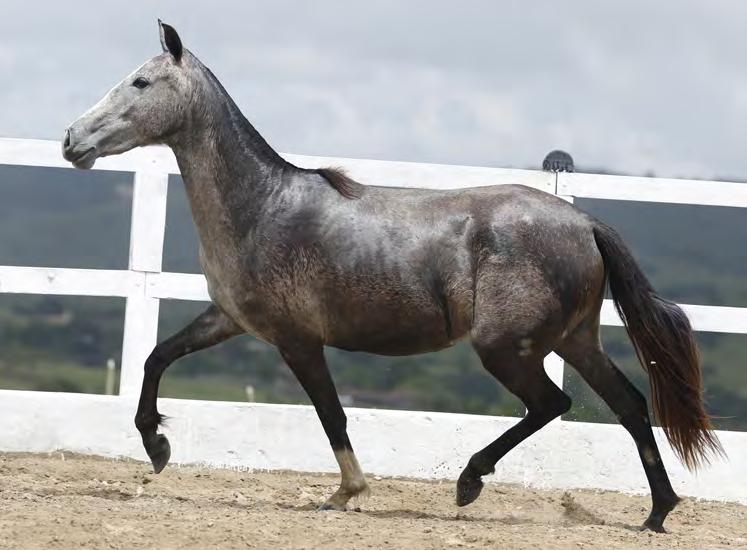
x,y
395,333
399,318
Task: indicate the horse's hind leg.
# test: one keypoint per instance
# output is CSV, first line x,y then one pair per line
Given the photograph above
x,y
209,328
308,364
525,377
583,351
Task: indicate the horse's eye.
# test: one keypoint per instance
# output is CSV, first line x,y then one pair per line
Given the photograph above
x,y
140,82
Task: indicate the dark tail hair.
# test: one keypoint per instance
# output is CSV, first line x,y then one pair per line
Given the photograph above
x,y
664,342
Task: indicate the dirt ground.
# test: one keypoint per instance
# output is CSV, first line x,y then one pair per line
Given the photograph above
x,y
61,501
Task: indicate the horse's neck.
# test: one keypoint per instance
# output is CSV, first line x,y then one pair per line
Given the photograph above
x,y
229,172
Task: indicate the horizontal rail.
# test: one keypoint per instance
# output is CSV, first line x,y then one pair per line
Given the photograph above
x,y
193,286
177,286
703,318
675,191
29,152
431,176
69,281
42,153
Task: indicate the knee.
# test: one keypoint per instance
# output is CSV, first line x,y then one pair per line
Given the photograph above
x,y
639,401
550,407
637,408
563,404
557,406
155,362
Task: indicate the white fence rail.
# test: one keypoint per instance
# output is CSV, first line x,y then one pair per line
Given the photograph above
x,y
409,443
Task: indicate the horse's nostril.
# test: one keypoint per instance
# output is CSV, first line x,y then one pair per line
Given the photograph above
x,y
67,138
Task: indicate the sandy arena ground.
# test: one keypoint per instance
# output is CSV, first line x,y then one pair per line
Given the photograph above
x,y
61,501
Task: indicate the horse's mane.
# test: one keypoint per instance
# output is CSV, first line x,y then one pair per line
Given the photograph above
x,y
340,182
347,187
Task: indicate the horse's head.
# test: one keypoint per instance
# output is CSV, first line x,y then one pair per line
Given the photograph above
x,y
145,108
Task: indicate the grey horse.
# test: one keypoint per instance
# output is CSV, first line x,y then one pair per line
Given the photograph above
x,y
305,258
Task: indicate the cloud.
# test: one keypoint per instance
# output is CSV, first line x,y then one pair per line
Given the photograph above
x,y
631,86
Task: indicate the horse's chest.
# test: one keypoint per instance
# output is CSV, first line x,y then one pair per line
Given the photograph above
x,y
232,291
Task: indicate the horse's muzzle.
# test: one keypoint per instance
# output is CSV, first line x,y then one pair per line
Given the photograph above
x,y
77,153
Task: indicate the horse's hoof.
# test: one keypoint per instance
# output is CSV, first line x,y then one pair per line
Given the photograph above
x,y
468,489
159,452
650,525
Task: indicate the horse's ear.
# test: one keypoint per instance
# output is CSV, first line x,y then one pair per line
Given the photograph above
x,y
170,40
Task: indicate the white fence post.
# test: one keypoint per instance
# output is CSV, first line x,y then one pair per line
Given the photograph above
x,y
554,368
148,221
553,363
146,255
140,337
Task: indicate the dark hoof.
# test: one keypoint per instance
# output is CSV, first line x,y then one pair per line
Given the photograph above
x,y
653,526
159,451
655,520
468,489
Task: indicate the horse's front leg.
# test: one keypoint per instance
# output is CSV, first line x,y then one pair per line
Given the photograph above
x,y
210,328
308,364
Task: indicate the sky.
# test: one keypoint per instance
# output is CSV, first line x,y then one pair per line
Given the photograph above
x,y
636,87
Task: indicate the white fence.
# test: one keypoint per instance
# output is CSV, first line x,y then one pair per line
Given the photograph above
x,y
405,443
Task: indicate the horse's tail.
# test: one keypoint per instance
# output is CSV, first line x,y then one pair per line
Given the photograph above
x,y
664,342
